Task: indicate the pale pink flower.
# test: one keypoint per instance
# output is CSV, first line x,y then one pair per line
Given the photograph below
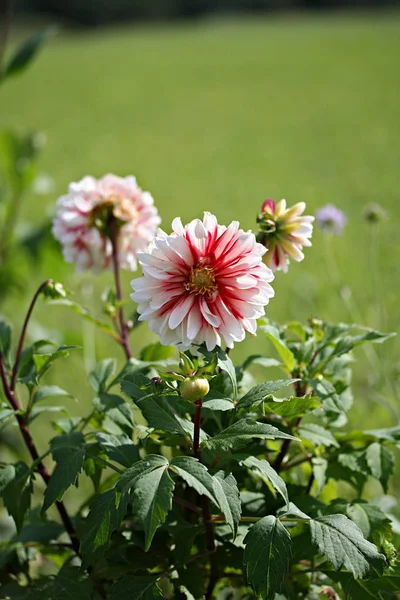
x,y
84,216
203,283
284,232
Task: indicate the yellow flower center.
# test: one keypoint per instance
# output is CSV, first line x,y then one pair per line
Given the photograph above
x,y
201,281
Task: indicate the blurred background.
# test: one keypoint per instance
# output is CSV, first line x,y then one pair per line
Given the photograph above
x,y
213,105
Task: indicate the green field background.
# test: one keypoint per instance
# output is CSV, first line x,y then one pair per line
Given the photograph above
x,y
219,115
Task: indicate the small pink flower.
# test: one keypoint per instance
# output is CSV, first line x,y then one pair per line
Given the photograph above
x,y
203,283
84,216
284,232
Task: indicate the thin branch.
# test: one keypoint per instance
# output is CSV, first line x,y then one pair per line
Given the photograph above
x,y
23,332
123,326
186,504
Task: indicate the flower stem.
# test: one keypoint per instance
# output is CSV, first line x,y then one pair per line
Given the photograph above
x,y
206,509
123,326
23,332
30,444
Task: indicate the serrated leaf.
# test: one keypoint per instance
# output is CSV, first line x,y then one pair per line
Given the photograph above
x,y
227,494
342,542
286,355
267,556
100,375
116,409
131,385
260,392
27,51
69,453
48,391
105,516
160,414
195,474
17,491
380,460
119,448
43,362
238,434
133,587
317,435
319,465
289,408
225,364
372,521
152,489
378,589
218,404
264,470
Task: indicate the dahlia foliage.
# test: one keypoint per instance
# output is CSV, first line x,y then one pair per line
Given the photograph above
x,y
200,481
203,283
91,207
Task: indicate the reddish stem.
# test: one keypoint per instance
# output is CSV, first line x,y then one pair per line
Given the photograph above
x,y
30,444
196,434
123,326
23,332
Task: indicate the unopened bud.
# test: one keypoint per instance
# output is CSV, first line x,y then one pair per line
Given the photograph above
x,y
54,290
193,388
374,212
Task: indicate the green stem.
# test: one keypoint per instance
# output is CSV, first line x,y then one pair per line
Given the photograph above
x,y
123,326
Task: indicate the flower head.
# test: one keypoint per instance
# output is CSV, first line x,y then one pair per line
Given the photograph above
x,y
374,213
284,231
203,283
86,214
331,218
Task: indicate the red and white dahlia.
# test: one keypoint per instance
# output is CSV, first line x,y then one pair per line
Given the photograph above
x,y
284,232
85,214
203,283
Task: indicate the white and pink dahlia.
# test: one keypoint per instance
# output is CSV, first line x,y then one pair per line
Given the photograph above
x,y
203,283
284,232
85,215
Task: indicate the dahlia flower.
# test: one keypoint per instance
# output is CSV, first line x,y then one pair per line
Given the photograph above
x,y
85,216
203,283
331,218
284,231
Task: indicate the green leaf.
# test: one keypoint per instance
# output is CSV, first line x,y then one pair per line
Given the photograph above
x,y
225,364
372,521
263,469
286,355
43,362
195,474
119,448
261,392
152,489
5,342
267,556
7,474
380,460
342,542
117,410
290,408
17,491
48,391
132,587
240,433
69,453
100,375
131,385
160,414
317,435
227,494
156,352
258,359
384,588
105,517
222,404
319,465
27,51
84,313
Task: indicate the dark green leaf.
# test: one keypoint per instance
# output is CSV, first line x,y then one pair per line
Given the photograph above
x,y
342,542
17,492
117,410
264,470
26,52
240,433
222,404
227,494
195,475
261,392
267,556
5,342
119,448
225,364
317,435
160,413
291,407
131,587
131,385
372,521
100,375
380,460
104,518
286,355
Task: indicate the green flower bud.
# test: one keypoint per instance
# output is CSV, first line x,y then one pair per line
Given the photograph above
x,y
194,388
374,212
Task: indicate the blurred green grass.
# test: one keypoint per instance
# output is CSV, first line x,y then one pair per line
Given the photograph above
x,y
219,115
